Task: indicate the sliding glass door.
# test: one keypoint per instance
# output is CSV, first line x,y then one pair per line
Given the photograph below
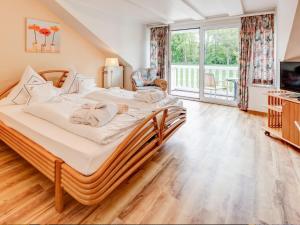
x,y
204,64
221,64
185,58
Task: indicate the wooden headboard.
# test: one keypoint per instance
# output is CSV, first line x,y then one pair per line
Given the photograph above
x,y
63,74
62,77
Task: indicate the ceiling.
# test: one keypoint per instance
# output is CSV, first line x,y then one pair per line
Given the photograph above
x,y
170,11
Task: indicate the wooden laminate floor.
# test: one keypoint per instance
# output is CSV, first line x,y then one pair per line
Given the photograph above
x,y
218,168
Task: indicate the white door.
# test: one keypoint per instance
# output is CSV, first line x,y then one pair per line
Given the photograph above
x,y
184,63
220,65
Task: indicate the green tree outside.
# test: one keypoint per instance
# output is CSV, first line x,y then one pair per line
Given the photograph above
x,y
221,47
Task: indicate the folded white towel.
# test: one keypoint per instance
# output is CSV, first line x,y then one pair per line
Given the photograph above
x,y
95,115
150,96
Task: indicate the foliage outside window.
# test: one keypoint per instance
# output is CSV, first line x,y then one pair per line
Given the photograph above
x,y
185,48
221,47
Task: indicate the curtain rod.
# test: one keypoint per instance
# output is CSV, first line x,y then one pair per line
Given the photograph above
x,y
238,16
258,14
214,19
157,25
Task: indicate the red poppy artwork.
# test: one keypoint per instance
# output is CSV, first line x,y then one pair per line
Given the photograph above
x,y
42,36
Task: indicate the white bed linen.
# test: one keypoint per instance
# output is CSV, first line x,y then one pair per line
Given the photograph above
x,y
83,155
118,95
60,112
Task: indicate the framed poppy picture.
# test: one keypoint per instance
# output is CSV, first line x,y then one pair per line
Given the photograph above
x,y
42,36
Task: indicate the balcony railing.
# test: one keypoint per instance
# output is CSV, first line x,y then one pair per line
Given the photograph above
x,y
186,78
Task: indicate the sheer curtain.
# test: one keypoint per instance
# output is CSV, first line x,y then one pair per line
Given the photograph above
x,y
257,54
159,50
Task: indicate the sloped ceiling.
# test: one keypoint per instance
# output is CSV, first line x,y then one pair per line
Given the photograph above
x,y
293,49
89,34
69,18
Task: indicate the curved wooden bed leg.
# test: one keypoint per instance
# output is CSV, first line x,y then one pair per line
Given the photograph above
x,y
59,191
155,123
162,125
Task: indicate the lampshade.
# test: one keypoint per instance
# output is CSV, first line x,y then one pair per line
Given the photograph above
x,y
110,62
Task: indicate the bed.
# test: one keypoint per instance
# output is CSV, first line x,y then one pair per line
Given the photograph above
x,y
85,170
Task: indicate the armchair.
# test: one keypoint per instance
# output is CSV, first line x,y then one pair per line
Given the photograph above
x,y
144,79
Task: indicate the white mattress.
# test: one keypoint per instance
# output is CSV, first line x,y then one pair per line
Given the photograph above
x,y
81,154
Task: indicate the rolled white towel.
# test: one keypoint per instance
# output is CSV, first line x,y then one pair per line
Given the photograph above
x,y
169,100
150,96
93,106
122,108
95,115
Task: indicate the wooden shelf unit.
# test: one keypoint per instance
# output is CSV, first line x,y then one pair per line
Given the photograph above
x,y
283,117
297,124
275,109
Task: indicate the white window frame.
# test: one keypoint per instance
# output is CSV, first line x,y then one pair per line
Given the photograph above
x,y
203,26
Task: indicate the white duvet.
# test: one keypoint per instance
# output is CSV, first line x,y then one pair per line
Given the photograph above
x,y
59,113
118,95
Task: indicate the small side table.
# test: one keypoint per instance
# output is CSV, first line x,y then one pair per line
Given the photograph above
x,y
113,77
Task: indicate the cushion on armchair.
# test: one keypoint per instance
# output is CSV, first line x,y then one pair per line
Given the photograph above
x,y
152,74
151,77
137,77
145,77
144,74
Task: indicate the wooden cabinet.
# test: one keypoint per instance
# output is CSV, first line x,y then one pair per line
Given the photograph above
x,y
283,115
285,119
290,115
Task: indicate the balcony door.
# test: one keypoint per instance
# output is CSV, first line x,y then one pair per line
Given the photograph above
x,y
204,64
185,61
220,65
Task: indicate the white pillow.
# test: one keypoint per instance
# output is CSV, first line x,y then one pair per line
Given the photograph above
x,y
78,83
86,84
41,92
19,95
70,86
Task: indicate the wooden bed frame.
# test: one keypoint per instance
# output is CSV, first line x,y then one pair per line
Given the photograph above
x,y
138,147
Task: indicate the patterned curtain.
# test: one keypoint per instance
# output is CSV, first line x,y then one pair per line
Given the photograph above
x,y
256,54
263,51
159,50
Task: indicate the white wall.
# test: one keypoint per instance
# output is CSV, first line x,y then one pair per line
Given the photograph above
x,y
258,99
147,47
